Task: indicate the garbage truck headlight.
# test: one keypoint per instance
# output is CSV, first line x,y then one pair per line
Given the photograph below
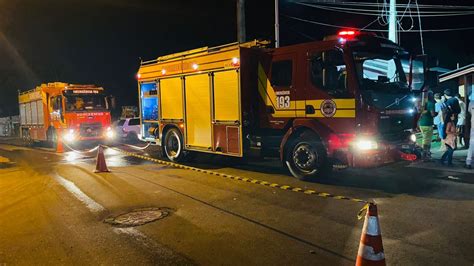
x,y
366,144
109,133
413,137
69,136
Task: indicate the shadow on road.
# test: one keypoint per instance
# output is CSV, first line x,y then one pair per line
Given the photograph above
x,y
396,178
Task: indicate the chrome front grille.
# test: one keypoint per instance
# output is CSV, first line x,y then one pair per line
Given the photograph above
x,y
91,130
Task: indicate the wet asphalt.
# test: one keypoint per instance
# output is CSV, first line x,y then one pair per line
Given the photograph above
x,y
54,206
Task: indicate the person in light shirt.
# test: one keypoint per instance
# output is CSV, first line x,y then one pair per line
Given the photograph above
x,y
461,121
438,119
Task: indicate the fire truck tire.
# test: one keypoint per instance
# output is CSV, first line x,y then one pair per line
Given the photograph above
x,y
132,137
173,146
26,138
306,157
52,138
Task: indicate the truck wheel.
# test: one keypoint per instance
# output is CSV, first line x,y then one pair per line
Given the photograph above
x,y
26,138
132,137
52,138
306,157
173,145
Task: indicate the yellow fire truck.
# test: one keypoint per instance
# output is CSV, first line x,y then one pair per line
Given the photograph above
x,y
345,100
80,112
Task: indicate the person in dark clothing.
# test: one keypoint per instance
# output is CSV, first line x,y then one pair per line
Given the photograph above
x,y
450,107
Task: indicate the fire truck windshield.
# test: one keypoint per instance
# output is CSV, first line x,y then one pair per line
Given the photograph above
x,y
381,70
80,103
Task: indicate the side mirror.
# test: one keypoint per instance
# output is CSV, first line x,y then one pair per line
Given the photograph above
x,y
330,77
112,102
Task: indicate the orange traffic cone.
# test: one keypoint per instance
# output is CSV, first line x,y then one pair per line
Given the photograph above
x,y
59,142
370,247
101,166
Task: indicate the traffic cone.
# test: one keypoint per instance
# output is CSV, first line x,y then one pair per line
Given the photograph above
x,y
59,142
101,166
370,247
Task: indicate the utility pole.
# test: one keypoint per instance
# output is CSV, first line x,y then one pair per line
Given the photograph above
x,y
277,25
241,21
392,22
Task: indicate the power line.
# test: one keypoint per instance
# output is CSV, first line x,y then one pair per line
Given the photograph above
x,y
399,5
421,30
373,12
373,30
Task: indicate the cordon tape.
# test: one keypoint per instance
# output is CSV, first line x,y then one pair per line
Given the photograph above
x,y
249,180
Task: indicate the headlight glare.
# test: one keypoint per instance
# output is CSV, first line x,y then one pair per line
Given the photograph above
x,y
109,134
69,136
366,144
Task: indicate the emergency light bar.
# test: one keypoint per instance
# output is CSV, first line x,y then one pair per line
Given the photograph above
x,y
347,33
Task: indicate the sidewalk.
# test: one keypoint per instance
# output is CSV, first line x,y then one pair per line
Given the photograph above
x,y
459,158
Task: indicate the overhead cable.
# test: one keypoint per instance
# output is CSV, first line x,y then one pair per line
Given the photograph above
x,y
398,5
373,12
373,30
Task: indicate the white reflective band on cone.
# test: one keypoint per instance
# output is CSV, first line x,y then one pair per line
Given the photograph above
x,y
368,253
372,226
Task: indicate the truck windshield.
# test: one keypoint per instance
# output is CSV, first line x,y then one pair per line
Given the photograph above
x,y
379,70
75,103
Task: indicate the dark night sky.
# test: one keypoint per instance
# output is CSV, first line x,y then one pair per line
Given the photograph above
x,y
101,41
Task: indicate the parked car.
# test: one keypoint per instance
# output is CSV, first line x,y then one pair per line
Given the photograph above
x,y
128,129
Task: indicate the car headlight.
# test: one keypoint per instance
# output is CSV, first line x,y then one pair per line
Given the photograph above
x,y
366,144
69,136
413,137
109,133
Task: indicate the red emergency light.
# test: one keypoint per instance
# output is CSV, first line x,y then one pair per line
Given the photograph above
x,y
347,33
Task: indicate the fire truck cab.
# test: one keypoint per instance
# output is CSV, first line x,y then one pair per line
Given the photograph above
x,y
75,113
345,100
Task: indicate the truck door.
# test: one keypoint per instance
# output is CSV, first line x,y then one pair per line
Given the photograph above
x,y
281,91
327,93
149,108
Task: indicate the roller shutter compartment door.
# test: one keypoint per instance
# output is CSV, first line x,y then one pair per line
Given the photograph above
x,y
198,111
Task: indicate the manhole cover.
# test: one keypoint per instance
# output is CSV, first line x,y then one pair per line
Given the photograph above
x,y
138,217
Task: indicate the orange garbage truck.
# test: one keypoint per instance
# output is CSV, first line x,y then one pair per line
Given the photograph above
x,y
346,100
74,113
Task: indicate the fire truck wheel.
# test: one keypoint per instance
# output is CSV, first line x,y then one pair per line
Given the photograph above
x,y
306,157
26,138
173,145
52,138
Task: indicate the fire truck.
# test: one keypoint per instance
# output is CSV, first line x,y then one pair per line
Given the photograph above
x,y
346,100
76,113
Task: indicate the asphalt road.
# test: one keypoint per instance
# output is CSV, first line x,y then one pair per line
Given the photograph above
x,y
53,208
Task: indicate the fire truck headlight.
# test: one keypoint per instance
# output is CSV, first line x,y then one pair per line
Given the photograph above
x,y
413,137
109,133
69,136
366,144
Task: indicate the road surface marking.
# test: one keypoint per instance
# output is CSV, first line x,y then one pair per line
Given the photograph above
x,y
7,147
81,196
4,160
245,179
150,244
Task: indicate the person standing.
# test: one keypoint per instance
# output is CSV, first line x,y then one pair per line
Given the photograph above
x,y
470,152
451,105
438,120
461,121
426,125
450,140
